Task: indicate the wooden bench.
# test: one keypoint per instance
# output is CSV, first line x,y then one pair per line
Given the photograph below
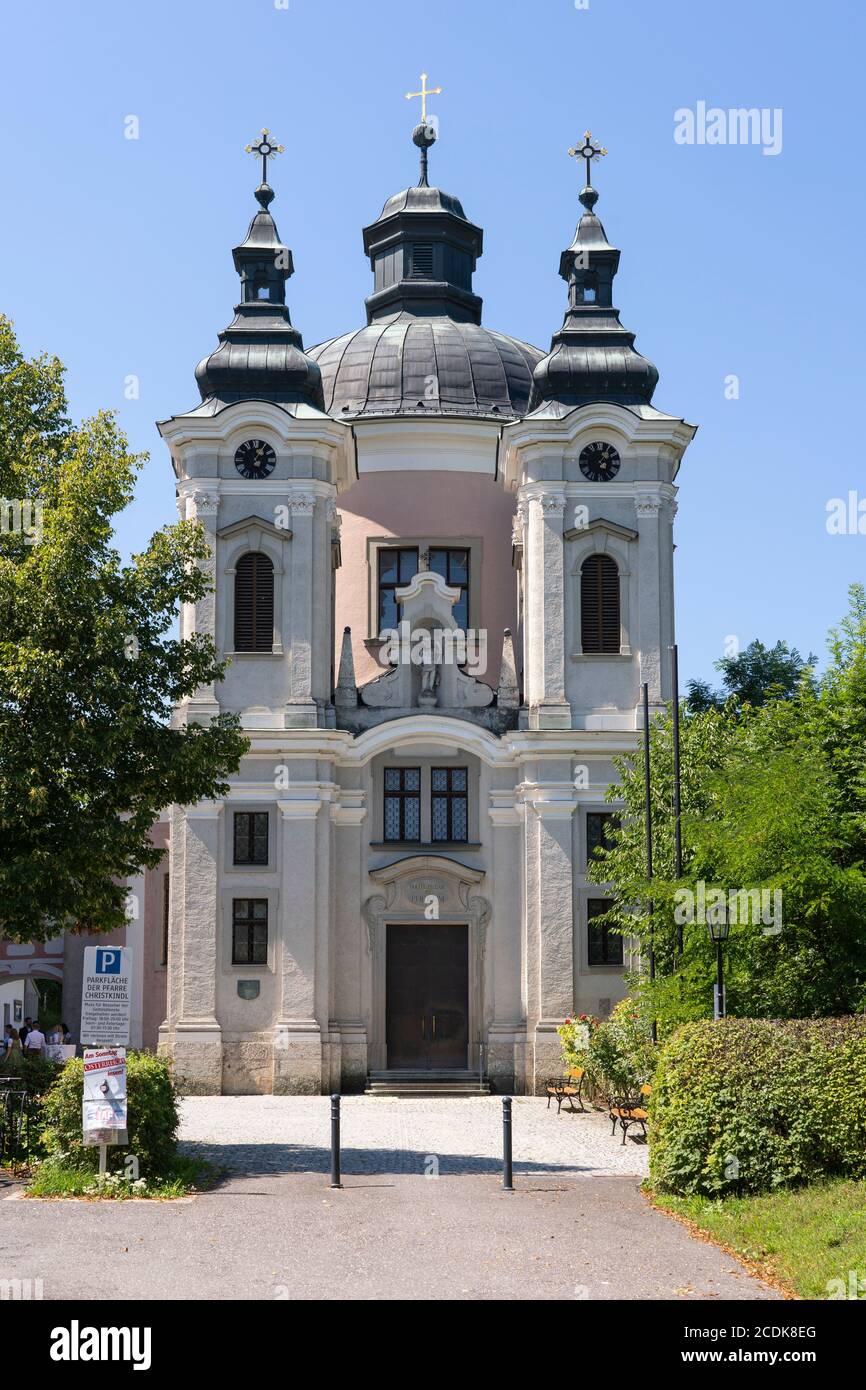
x,y
570,1089
630,1110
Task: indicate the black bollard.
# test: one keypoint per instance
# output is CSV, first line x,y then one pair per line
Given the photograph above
x,y
335,1142
507,1178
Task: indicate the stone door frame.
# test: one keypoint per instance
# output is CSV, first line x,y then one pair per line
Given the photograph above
x,y
406,885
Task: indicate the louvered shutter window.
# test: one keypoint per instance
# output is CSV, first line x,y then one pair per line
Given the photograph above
x,y
599,605
254,603
422,262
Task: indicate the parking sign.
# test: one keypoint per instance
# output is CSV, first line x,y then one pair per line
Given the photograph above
x,y
106,996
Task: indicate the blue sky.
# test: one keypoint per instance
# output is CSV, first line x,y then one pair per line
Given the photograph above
x,y
116,253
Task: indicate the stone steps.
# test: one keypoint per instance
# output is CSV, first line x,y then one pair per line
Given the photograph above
x,y
425,1084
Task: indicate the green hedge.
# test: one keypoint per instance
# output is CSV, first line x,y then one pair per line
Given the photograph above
x,y
151,1109
749,1105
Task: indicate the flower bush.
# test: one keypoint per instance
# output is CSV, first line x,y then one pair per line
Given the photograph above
x,y
618,1054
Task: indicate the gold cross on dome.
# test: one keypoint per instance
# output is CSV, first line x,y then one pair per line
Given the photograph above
x,y
587,152
424,93
264,149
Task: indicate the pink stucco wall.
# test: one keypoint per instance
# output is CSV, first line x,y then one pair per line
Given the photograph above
x,y
463,506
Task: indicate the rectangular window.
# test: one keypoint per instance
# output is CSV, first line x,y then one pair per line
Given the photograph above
x,y
453,565
449,803
605,946
402,803
599,825
251,837
250,931
397,566
165,919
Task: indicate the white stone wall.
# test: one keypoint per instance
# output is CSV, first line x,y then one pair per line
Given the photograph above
x,y
332,886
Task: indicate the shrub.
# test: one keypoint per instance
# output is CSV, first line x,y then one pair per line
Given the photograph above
x,y
617,1055
748,1105
622,1053
151,1109
38,1071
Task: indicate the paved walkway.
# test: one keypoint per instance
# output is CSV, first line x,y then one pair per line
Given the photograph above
x,y
576,1228
291,1134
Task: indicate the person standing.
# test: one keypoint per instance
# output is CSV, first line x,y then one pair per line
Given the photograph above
x,y
22,1032
35,1040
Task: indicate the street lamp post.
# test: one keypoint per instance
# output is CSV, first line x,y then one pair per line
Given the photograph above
x,y
719,929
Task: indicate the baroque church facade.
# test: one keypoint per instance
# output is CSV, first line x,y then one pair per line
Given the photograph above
x,y
442,566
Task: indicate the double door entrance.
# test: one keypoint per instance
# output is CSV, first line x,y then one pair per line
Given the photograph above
x,y
427,996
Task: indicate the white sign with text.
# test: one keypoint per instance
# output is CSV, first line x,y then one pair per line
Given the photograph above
x,y
106,996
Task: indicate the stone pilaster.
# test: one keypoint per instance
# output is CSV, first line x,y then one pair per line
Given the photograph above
x,y
194,1035
297,1032
349,955
653,660
204,507
544,609
506,1031
550,922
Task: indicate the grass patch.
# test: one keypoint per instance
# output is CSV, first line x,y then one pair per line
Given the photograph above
x,y
801,1239
182,1177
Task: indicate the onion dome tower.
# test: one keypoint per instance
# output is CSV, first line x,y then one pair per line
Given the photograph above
x,y
424,351
592,357
261,354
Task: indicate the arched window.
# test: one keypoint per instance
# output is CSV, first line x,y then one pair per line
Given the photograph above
x,y
254,603
599,605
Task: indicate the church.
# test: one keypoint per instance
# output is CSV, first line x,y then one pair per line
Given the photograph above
x,y
442,570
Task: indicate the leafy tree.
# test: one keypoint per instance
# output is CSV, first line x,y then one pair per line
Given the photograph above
x,y
88,672
753,677
774,799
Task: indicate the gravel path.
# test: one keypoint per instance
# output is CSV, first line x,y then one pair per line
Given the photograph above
x,y
291,1134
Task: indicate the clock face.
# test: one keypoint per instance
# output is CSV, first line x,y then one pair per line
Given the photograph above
x,y
599,461
255,459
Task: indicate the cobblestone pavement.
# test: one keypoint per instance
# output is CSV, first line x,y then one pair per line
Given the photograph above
x,y
291,1134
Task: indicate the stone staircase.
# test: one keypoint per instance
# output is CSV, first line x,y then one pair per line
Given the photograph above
x,y
426,1083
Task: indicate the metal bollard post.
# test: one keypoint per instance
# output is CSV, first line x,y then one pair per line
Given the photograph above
x,y
507,1178
335,1141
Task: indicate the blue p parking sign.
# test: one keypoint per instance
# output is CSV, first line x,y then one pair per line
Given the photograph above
x,y
107,960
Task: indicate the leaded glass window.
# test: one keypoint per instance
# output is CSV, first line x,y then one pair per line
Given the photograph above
x,y
449,804
402,803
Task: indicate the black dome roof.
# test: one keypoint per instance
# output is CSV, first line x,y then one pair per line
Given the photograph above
x,y
436,365
424,350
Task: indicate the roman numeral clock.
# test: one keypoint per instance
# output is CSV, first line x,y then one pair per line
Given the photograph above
x,y
255,459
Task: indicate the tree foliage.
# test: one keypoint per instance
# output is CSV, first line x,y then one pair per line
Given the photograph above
x,y
752,677
89,670
774,799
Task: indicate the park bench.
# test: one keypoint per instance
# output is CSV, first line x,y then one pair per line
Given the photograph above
x,y
570,1089
630,1110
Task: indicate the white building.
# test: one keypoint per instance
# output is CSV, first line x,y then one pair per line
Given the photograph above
x,y
395,882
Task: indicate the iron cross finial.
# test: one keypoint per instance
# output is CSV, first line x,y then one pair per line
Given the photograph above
x,y
587,152
264,149
424,93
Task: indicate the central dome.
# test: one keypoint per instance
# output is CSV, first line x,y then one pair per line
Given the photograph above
x,y
424,350
408,364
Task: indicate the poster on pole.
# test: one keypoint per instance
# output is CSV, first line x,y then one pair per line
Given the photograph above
x,y
106,996
103,1107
